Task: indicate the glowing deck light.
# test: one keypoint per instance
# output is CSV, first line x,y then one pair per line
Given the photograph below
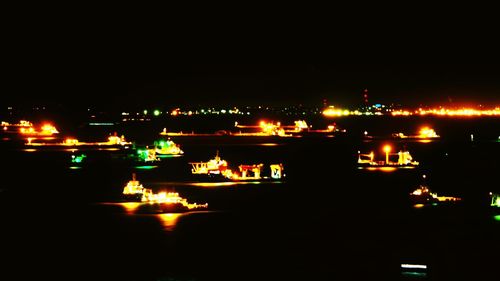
x,y
156,112
387,149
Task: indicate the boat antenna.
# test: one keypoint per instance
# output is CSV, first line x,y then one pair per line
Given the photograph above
x,y
133,176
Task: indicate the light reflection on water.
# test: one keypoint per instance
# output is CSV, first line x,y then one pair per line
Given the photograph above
x,y
268,144
168,155
169,220
383,169
146,167
130,207
215,184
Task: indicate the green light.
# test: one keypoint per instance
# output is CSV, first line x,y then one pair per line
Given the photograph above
x,y
414,274
497,217
156,112
145,112
145,167
162,143
78,159
495,200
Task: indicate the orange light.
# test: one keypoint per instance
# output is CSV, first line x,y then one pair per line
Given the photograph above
x,y
387,148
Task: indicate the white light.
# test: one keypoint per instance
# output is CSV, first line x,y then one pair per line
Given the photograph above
x,y
420,266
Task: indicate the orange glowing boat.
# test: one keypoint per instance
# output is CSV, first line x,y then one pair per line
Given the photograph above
x,y
26,128
167,202
424,133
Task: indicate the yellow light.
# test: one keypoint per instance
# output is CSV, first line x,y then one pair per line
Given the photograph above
x,y
387,148
168,220
70,141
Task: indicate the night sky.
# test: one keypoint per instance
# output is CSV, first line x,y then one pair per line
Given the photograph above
x,y
178,84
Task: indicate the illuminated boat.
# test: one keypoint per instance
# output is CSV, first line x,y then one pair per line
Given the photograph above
x,y
263,129
253,173
422,195
302,129
217,169
146,155
167,202
404,159
134,190
26,128
112,142
214,166
424,133
167,147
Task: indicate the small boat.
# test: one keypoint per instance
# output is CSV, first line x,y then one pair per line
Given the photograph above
x,y
422,195
167,147
424,133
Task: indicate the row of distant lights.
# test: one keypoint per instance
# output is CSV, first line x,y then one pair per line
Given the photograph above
x,y
177,112
332,112
449,112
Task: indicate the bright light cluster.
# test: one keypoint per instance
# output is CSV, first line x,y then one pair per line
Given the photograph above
x,y
170,198
331,111
427,133
449,112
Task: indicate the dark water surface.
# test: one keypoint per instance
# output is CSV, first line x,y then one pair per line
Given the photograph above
x,y
326,221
